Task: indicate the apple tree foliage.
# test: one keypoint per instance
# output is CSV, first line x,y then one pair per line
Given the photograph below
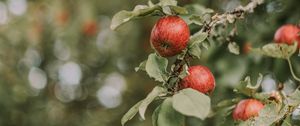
x,y
176,105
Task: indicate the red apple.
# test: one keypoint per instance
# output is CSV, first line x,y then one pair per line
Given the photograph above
x,y
246,109
89,28
200,78
170,36
288,34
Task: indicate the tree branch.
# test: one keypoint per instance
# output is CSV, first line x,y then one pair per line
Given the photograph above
x,y
217,19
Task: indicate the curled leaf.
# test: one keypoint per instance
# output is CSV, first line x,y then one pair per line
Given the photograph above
x,y
247,88
234,48
278,50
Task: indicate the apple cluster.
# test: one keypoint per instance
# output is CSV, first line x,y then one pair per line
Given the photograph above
x,y
249,108
169,37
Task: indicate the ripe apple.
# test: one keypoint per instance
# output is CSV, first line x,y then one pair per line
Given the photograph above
x,y
200,78
89,28
288,34
170,36
246,109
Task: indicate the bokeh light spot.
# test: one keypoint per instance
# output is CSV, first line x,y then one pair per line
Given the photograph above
x,y
17,7
37,78
70,73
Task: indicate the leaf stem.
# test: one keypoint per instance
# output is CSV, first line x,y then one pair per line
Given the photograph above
x,y
292,70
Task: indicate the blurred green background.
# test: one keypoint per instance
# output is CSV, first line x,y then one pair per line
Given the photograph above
x,y
61,65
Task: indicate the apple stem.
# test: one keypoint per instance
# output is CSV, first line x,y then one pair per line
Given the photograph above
x,y
292,70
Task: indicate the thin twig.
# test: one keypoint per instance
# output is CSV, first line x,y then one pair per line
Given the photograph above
x,y
292,70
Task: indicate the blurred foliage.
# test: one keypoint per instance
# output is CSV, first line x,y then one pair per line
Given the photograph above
x,y
60,64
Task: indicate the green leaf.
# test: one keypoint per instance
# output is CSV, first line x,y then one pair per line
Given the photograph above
x,y
142,66
228,102
234,48
156,67
150,4
184,72
197,38
247,88
258,82
140,7
195,51
167,2
131,113
262,96
206,44
167,6
155,115
182,55
157,91
190,102
125,16
167,10
287,121
120,18
196,19
178,10
165,115
294,98
278,50
199,9
172,82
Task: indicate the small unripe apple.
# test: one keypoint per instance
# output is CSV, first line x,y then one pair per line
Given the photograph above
x,y
288,34
89,28
170,36
62,17
246,109
247,48
200,78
